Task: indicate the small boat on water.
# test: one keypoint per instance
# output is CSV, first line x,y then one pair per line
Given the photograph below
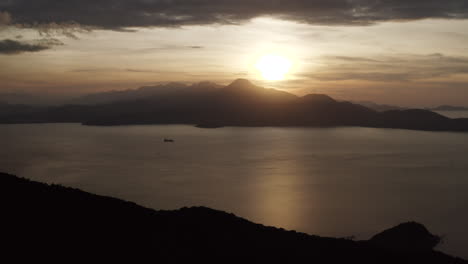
x,y
168,140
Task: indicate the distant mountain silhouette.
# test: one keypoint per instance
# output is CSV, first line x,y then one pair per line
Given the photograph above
x,y
18,113
449,108
379,107
43,222
34,98
16,98
240,103
142,92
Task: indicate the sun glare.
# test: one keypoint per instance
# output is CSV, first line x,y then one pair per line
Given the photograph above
x,y
273,67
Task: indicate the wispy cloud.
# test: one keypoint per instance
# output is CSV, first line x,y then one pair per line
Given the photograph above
x,y
172,47
400,68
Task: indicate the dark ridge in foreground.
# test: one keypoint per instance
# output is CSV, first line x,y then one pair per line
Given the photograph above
x,y
240,103
44,222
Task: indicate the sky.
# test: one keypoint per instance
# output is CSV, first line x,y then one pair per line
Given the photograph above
x,y
409,53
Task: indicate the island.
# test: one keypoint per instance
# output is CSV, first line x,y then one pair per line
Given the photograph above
x,y
240,103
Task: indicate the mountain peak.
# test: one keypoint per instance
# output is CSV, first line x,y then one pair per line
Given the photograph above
x,y
241,83
206,85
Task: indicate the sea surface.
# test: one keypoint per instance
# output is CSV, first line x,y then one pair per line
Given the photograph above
x,y
338,182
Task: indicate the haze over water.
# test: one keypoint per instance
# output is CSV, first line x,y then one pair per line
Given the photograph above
x,y
331,182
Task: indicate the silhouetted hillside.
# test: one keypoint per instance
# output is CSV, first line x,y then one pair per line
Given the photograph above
x,y
379,107
50,222
18,113
419,119
239,104
33,98
407,236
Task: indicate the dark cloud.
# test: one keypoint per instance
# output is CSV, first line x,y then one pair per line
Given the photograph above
x,y
121,14
402,68
118,70
171,47
49,30
9,47
352,59
177,47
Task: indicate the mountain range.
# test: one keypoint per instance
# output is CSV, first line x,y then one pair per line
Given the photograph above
x,y
240,103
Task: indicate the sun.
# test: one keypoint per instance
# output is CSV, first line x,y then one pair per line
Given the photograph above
x,y
273,67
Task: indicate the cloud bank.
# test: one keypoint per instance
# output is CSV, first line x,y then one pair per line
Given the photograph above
x,y
121,14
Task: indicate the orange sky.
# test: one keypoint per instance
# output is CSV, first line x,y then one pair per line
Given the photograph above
x,y
419,63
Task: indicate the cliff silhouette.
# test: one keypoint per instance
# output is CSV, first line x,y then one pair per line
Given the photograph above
x,y
55,223
240,103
